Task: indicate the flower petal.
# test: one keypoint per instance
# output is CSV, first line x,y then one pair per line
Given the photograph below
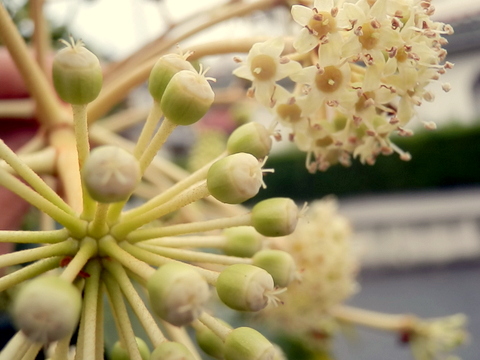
x,y
301,14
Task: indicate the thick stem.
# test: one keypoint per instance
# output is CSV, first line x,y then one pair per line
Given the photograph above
x,y
90,299
72,223
83,149
33,237
50,110
187,197
166,128
216,326
124,324
136,302
194,256
88,248
28,272
62,139
168,194
190,228
373,319
148,129
98,227
179,334
158,260
206,241
32,178
109,247
16,347
68,247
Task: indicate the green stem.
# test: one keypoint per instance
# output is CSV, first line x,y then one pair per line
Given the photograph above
x,y
148,129
32,351
373,319
32,178
176,189
38,86
62,349
34,237
136,302
98,227
109,247
188,196
68,247
206,241
16,347
158,260
190,228
194,256
90,297
72,223
100,328
124,324
179,334
166,128
216,326
83,150
88,248
29,272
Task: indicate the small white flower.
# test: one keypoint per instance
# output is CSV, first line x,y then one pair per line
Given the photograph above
x,y
264,67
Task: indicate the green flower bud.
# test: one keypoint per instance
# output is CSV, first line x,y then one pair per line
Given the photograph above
x,y
275,217
242,241
209,342
187,97
248,344
170,350
177,293
244,287
47,309
277,263
110,174
163,71
235,178
251,138
77,75
120,353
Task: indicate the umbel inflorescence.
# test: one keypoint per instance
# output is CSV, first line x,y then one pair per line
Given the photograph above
x,y
361,69
358,68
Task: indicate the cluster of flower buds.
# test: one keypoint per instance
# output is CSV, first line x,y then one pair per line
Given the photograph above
x,y
98,246
363,68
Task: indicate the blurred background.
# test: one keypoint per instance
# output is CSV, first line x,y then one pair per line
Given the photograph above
x,y
416,224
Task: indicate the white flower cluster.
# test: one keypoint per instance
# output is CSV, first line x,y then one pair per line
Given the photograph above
x,y
322,250
362,68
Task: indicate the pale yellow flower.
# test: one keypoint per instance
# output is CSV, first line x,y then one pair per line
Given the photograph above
x,y
264,66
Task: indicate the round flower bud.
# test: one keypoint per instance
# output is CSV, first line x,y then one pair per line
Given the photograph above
x,y
277,263
252,138
77,75
242,241
177,293
235,178
120,353
110,174
248,344
275,217
47,309
209,342
171,350
187,97
163,71
244,287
